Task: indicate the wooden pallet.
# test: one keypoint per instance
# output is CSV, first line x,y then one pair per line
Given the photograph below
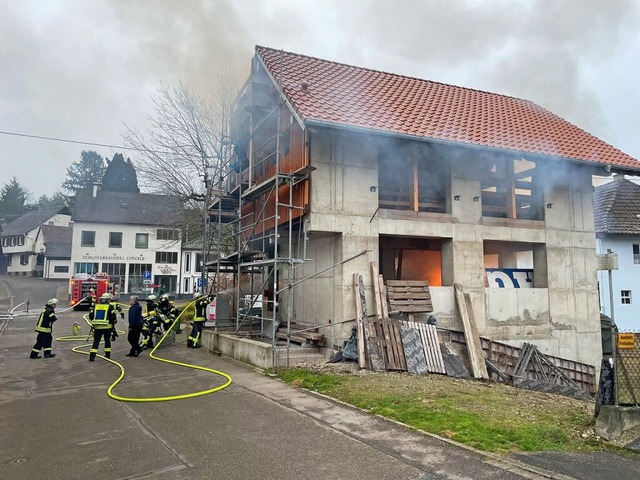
x,y
409,296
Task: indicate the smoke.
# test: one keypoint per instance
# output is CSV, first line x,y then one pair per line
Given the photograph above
x,y
80,69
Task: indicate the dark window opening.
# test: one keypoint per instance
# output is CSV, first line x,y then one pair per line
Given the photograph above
x,y
413,177
166,257
625,297
511,189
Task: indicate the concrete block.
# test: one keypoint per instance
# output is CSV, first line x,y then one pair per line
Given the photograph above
x,y
614,420
528,235
444,308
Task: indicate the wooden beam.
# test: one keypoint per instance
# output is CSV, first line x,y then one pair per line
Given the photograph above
x,y
362,360
474,347
414,199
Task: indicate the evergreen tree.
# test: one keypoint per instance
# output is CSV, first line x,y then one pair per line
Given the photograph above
x,y
120,175
84,172
55,200
13,200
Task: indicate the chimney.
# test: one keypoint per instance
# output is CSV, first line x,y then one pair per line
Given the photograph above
x,y
96,188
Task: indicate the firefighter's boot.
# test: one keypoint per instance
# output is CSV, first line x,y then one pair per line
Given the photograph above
x,y
49,355
107,354
92,357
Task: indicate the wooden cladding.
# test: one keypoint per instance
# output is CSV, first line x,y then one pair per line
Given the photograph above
x,y
256,211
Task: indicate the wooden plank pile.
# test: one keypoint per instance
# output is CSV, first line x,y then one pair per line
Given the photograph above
x,y
302,334
386,343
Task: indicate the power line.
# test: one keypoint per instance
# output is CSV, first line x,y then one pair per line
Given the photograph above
x,y
93,144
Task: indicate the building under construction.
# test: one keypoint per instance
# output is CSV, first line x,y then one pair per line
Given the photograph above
x,y
335,167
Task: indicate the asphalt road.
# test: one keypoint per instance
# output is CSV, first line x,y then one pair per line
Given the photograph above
x,y
56,421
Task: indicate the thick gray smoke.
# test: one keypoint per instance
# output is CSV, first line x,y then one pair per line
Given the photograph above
x,y
79,69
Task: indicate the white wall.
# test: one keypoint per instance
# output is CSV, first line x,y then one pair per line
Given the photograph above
x,y
128,253
49,268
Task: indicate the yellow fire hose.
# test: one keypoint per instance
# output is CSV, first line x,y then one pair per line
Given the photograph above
x,y
160,359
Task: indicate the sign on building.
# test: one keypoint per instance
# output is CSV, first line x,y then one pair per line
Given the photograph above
x,y
509,277
607,261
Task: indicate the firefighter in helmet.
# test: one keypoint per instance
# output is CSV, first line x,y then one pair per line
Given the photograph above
x,y
101,318
201,302
91,299
170,312
151,322
44,327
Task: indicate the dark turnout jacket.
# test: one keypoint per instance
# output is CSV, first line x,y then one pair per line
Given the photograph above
x,y
135,316
46,319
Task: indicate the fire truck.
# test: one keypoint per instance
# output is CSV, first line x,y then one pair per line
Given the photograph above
x,y
81,284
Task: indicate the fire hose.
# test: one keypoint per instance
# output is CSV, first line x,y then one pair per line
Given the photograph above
x,y
152,355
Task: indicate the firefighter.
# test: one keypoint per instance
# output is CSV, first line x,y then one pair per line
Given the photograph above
x,y
170,312
101,323
151,322
91,299
44,327
201,303
115,309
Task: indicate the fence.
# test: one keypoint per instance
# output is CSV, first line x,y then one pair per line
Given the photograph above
x,y
506,358
627,371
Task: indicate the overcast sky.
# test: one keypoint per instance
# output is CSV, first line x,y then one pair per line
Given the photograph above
x,y
79,69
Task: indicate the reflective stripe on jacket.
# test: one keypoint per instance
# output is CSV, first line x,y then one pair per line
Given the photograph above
x,y
46,319
101,316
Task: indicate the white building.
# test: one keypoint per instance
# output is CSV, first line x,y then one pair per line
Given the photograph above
x,y
23,242
191,267
617,224
57,251
134,238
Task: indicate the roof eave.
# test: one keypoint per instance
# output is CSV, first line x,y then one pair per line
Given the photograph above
x,y
608,168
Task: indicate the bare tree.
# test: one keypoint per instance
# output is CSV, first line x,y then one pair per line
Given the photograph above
x,y
183,146
184,150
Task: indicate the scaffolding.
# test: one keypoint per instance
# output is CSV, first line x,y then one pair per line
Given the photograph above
x,y
262,206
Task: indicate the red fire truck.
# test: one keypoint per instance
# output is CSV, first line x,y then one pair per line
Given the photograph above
x,y
81,284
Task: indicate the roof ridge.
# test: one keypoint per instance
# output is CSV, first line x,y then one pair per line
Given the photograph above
x,y
401,75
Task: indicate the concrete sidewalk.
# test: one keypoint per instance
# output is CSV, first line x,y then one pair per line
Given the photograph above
x,y
56,420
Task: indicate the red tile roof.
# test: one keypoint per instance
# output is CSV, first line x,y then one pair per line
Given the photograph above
x,y
358,97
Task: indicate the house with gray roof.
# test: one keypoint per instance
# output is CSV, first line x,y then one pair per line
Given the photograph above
x,y
135,238
23,242
57,251
616,208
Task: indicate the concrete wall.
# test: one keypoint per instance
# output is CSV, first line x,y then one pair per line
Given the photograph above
x,y
560,314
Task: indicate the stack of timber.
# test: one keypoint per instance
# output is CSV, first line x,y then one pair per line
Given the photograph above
x,y
390,344
302,334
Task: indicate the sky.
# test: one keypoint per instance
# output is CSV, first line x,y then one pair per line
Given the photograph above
x,y
83,69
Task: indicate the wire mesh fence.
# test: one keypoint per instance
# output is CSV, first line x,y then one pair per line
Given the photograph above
x,y
628,369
